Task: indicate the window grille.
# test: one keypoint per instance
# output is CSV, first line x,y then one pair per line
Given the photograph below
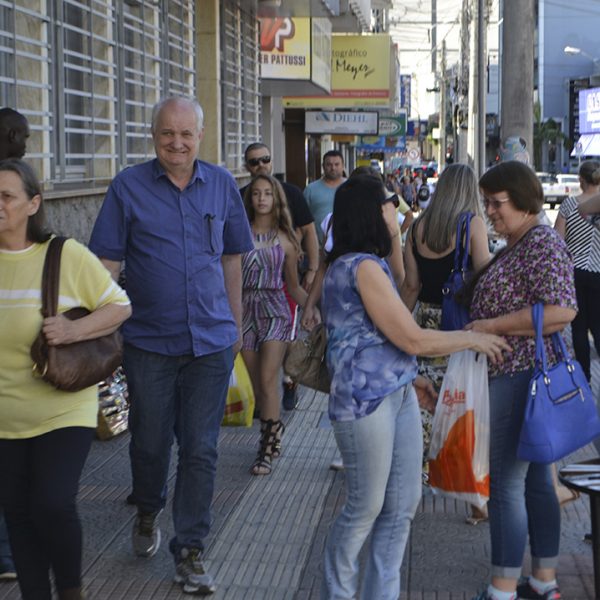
x,y
240,76
86,73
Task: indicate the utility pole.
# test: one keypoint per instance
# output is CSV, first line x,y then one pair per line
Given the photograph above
x,y
442,85
481,91
518,29
433,36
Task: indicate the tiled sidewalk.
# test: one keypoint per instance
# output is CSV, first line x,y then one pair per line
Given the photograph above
x,y
268,532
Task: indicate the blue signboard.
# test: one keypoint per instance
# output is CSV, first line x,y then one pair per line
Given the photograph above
x,y
589,111
405,83
382,143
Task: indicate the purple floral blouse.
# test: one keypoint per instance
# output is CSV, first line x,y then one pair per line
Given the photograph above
x,y
538,268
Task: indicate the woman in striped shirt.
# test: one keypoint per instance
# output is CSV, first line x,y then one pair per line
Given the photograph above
x,y
583,241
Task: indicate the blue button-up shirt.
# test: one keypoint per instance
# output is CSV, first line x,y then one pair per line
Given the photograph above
x,y
172,241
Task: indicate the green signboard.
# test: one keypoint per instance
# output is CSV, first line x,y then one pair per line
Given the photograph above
x,y
393,125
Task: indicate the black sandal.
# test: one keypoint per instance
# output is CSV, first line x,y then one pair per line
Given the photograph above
x,y
276,450
268,442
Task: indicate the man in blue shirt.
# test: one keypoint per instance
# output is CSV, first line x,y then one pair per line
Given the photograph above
x,y
320,193
180,226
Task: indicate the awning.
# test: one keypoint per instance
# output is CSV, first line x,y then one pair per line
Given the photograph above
x,y
587,145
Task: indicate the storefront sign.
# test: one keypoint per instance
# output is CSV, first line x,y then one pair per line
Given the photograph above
x,y
296,49
381,143
363,123
589,111
360,74
393,125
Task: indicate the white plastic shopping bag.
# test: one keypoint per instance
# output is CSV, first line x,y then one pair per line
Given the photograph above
x,y
459,450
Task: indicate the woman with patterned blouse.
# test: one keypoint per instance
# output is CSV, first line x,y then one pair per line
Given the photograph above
x,y
372,342
534,267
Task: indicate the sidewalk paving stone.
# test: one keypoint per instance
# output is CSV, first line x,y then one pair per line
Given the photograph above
x,y
268,532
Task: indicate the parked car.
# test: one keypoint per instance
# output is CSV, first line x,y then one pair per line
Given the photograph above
x,y
558,187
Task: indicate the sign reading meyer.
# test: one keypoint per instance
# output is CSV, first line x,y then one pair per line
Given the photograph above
x,y
327,121
589,111
360,74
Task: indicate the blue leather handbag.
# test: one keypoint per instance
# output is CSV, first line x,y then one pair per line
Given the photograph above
x,y
454,315
560,414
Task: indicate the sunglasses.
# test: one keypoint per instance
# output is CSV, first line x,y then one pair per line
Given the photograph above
x,y
494,203
254,162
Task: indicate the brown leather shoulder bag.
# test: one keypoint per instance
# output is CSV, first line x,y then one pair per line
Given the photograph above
x,y
70,367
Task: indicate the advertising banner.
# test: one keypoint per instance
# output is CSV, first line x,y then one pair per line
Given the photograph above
x,y
341,122
296,49
589,111
393,125
285,48
381,143
360,74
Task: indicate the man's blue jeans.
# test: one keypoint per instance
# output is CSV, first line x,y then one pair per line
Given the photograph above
x,y
6,561
181,397
382,455
522,495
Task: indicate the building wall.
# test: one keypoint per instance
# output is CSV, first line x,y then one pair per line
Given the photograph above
x,y
73,215
564,24
87,83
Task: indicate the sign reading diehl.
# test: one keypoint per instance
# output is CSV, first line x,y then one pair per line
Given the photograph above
x,y
360,123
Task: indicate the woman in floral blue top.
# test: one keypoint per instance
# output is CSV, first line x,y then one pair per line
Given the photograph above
x,y
372,342
535,267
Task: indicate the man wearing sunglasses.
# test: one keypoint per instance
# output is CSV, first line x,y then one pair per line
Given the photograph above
x,y
257,157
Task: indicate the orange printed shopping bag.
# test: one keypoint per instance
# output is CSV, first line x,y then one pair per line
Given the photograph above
x,y
459,450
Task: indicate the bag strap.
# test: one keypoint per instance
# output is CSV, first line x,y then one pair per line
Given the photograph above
x,y
537,316
51,277
558,343
461,251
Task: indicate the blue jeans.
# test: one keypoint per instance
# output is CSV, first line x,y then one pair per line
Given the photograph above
x,y
6,561
522,495
382,455
181,397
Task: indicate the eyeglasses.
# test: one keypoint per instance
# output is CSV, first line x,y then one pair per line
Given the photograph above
x,y
495,203
254,162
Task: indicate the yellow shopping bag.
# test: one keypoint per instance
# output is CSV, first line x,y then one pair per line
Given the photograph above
x,y
239,408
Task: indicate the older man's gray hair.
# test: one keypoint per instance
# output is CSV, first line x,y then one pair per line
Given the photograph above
x,y
184,99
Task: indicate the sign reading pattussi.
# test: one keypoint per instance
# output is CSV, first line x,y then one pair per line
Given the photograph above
x,y
360,74
328,121
297,49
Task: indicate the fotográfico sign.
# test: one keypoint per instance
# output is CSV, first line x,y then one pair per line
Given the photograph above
x,y
360,74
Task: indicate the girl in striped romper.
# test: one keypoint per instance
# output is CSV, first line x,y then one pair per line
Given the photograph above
x,y
267,323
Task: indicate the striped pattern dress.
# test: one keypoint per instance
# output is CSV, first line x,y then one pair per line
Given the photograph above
x,y
265,311
583,239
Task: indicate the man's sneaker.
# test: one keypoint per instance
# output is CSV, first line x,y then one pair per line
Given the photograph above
x,y
7,573
190,571
525,591
145,536
290,395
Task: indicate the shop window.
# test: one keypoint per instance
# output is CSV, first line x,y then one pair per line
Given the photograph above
x,y
240,76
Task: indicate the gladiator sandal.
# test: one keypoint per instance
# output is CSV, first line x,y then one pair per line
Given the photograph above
x,y
276,450
268,437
